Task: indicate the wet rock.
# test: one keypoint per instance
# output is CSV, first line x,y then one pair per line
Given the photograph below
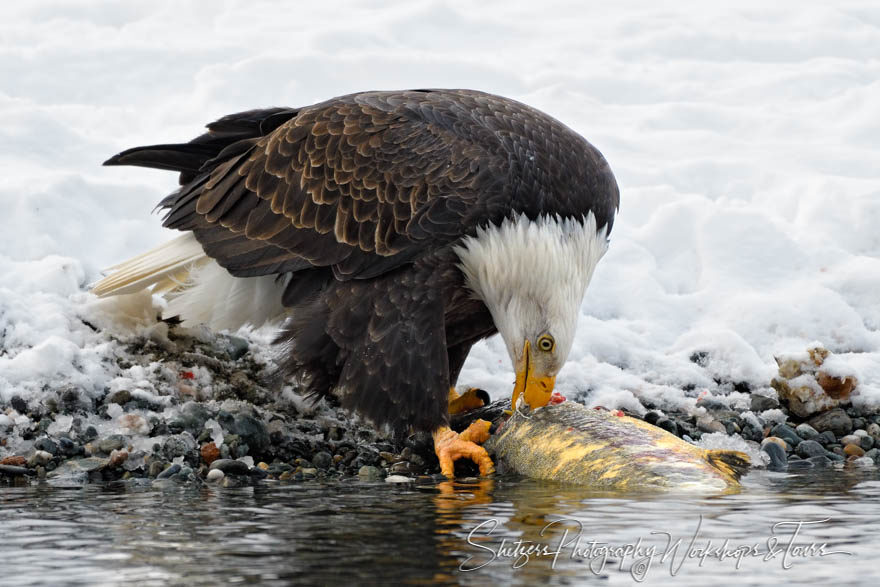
x,y
15,461
836,421
117,457
156,467
39,458
826,438
874,454
820,460
807,432
866,442
398,479
809,448
786,433
121,397
668,425
74,466
761,403
778,460
215,476
252,432
776,440
191,418
849,439
111,443
370,473
322,460
863,462
178,445
14,471
853,450
46,444
210,453
169,472
68,447
230,467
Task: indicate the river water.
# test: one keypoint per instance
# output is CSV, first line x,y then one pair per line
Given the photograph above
x,y
821,527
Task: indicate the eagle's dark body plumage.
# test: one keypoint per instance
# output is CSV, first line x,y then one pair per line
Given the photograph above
x,y
357,202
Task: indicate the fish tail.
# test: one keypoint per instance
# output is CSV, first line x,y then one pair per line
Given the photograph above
x,y
732,463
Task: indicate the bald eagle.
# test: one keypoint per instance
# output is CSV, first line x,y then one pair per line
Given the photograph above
x,y
392,230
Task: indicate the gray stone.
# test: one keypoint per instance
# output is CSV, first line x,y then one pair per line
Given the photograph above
x,y
778,461
121,397
807,432
873,430
47,444
826,438
786,433
230,467
178,445
111,443
13,471
810,448
322,460
874,454
836,421
191,418
75,466
866,442
170,471
370,473
849,439
215,476
761,403
252,432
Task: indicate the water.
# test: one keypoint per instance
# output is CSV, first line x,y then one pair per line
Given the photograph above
x,y
316,533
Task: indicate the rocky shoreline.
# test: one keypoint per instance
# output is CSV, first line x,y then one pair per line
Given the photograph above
x,y
205,408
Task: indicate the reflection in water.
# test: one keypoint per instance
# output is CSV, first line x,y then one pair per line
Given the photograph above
x,y
504,529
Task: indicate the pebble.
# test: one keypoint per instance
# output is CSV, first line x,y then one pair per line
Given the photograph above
x,y
215,475
776,440
866,442
121,397
310,472
39,458
849,439
873,430
398,479
761,403
826,438
15,461
874,453
178,445
668,425
807,432
210,453
836,421
810,448
170,471
117,457
786,433
13,471
322,460
156,467
778,462
111,443
853,450
231,467
370,473
46,444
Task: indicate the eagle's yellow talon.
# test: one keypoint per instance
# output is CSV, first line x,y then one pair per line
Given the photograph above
x,y
451,446
470,400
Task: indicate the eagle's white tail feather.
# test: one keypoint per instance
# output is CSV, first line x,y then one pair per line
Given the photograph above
x,y
198,289
216,298
174,258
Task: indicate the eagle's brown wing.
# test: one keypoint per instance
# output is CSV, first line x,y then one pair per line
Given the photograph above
x,y
358,183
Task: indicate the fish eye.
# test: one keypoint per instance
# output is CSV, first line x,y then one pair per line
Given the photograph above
x,y
546,343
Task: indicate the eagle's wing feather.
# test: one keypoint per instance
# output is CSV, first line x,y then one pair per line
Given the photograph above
x,y
356,184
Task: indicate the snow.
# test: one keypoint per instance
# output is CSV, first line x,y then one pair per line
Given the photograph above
x,y
744,137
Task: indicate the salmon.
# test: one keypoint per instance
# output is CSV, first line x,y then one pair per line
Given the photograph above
x,y
609,451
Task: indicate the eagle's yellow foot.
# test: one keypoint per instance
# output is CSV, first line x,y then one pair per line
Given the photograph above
x,y
469,400
451,446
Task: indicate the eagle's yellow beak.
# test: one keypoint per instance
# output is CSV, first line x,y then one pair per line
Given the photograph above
x,y
535,390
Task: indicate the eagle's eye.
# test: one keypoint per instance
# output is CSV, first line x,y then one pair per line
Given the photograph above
x,y
546,343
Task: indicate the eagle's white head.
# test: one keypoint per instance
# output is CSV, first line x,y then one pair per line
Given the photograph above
x,y
532,275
